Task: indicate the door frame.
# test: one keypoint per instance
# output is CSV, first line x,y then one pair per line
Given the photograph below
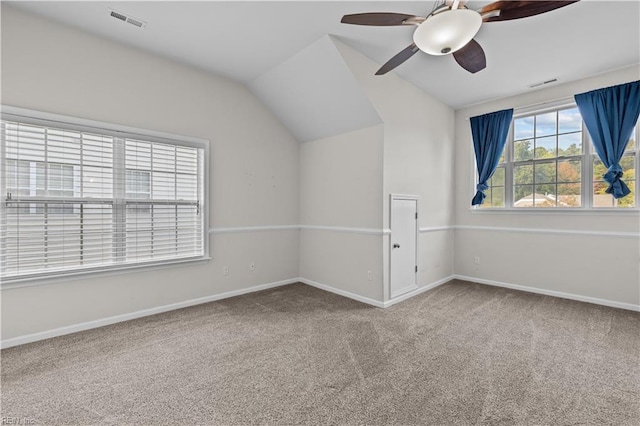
x,y
392,198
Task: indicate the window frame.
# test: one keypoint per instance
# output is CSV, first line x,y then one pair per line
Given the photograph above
x,y
586,161
40,118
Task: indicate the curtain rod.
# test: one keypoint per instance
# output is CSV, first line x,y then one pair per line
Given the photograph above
x,y
551,101
517,109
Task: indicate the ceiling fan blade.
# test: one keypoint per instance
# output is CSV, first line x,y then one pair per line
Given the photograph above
x,y
379,19
520,9
405,54
471,57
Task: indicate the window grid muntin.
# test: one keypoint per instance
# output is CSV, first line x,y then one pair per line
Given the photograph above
x,y
535,161
587,164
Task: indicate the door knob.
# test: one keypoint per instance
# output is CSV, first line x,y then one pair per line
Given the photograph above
x,y
396,246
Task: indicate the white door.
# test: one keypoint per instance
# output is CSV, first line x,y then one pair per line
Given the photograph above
x,y
404,248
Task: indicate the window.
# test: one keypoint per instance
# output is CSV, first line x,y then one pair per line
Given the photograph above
x,y
549,163
81,198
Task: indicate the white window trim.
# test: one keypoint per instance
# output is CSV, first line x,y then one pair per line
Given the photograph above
x,y
28,116
587,172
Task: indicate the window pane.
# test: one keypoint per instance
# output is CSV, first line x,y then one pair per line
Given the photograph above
x,y
163,157
523,196
187,187
498,177
600,197
40,176
19,178
569,171
569,120
569,144
164,186
631,145
523,150
495,192
164,231
598,169
545,147
189,230
545,172
98,234
501,160
523,128
139,232
97,170
546,124
43,237
61,180
63,146
497,196
25,238
24,142
569,195
97,182
523,174
97,150
138,155
138,184
544,196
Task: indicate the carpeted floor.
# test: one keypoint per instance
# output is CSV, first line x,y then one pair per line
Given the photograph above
x,y
459,354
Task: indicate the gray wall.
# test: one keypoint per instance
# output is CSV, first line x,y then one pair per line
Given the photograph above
x,y
334,187
417,160
341,187
515,248
254,166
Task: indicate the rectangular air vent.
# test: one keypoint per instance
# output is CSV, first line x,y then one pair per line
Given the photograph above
x,y
118,16
127,18
542,83
135,22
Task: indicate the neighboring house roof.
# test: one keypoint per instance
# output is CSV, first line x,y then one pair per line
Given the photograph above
x,y
548,200
599,200
602,200
535,200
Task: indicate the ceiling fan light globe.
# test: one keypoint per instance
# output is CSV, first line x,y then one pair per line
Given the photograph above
x,y
447,31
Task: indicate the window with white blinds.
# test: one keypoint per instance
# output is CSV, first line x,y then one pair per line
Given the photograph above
x,y
81,198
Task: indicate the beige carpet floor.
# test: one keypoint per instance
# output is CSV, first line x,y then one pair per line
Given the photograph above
x,y
463,354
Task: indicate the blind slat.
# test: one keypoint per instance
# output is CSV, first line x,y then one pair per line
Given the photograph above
x,y
72,206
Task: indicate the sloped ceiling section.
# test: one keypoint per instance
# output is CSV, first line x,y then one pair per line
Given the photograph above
x,y
315,94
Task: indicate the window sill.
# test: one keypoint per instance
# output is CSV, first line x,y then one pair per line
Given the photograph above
x,y
96,273
565,211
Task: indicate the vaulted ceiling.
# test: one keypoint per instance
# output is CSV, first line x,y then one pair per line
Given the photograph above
x,y
245,40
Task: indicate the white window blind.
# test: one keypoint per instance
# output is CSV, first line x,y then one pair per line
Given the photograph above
x,y
77,199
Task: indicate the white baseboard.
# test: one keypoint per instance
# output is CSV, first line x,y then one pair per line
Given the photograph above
x,y
571,296
61,331
343,293
417,291
28,338
374,302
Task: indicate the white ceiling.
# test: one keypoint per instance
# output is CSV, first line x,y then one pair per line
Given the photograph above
x,y
243,40
315,94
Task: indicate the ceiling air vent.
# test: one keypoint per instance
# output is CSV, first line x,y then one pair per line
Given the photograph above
x,y
127,18
542,83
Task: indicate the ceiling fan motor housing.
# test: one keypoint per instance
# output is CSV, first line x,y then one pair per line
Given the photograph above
x,y
447,31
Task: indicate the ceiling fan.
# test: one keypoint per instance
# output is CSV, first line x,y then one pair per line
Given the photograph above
x,y
451,27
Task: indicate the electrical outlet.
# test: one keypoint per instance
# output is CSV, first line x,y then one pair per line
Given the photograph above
x,y
252,266
369,275
225,270
477,260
